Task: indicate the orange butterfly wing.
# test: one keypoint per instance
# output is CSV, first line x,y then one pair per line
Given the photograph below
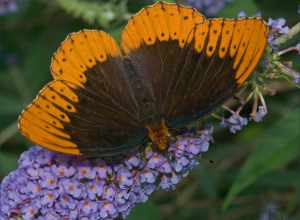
x,y
43,121
89,102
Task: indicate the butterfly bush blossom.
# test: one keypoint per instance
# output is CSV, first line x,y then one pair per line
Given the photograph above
x,y
50,185
277,27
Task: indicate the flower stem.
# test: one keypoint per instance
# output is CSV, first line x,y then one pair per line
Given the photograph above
x,y
287,50
288,71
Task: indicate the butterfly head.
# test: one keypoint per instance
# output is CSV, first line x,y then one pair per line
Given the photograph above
x,y
159,134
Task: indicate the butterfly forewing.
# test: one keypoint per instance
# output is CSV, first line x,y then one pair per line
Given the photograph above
x,y
201,68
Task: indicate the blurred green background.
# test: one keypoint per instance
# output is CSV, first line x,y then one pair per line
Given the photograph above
x,y
252,170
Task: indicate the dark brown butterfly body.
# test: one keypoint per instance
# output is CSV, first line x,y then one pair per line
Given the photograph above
x,y
175,67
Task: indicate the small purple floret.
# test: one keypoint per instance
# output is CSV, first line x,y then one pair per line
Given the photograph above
x,y
235,122
260,114
278,27
297,79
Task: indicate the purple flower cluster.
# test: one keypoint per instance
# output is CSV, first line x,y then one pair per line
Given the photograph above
x,y
277,27
208,7
8,6
49,185
235,122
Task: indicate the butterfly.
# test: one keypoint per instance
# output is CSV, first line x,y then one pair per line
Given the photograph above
x,y
173,67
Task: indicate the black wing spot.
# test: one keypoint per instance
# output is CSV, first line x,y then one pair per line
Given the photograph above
x,y
64,59
69,107
210,48
90,60
223,49
186,17
62,116
53,97
54,122
227,32
215,31
48,106
162,34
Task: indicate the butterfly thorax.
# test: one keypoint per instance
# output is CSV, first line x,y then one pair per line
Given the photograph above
x,y
158,133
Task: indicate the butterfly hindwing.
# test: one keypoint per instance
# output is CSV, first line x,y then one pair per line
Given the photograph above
x,y
90,107
43,122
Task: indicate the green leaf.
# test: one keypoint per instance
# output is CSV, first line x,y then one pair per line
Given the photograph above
x,y
281,179
7,162
10,105
146,211
273,151
207,182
